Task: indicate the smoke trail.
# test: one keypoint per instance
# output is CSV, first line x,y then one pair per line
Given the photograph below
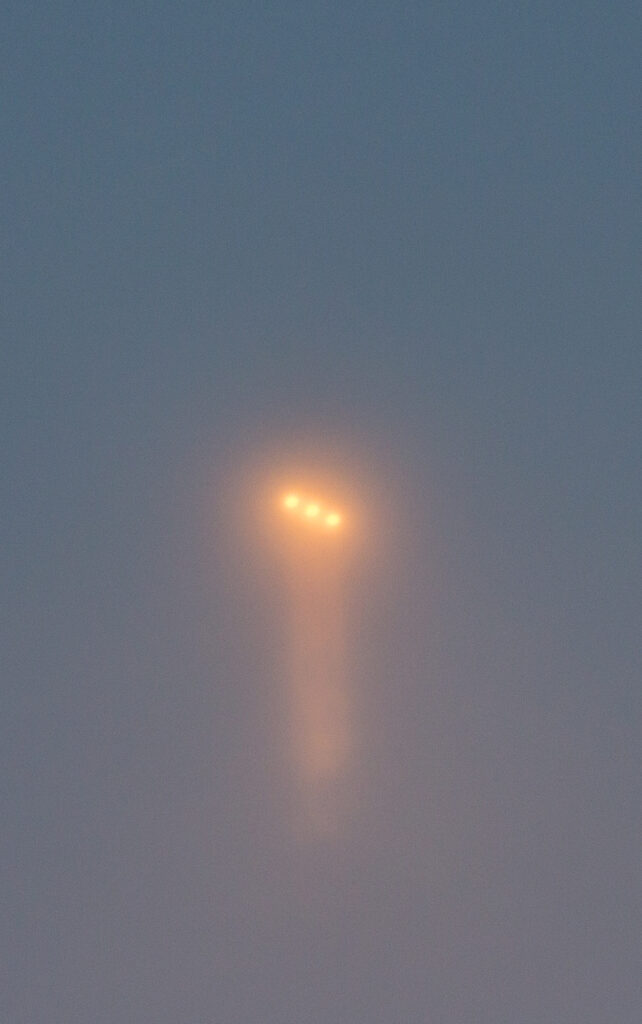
x,y
317,679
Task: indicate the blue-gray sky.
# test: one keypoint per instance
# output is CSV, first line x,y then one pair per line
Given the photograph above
x,y
405,235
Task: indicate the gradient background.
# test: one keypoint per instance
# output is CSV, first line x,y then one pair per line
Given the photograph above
x,y
404,235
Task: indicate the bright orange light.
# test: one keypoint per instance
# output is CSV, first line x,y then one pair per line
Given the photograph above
x,y
312,510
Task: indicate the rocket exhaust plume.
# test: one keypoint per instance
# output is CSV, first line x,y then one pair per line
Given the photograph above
x,y
317,689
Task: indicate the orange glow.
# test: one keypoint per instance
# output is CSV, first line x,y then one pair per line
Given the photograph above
x,y
318,684
318,690
311,510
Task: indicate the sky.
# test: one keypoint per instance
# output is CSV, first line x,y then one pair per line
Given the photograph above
x,y
396,243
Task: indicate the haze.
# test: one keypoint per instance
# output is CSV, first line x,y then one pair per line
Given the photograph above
x,y
387,255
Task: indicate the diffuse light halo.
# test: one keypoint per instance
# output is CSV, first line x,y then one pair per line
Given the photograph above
x,y
310,510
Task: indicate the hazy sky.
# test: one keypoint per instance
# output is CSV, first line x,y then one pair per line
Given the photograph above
x,y
401,238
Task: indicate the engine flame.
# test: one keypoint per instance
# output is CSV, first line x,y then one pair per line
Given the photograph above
x,y
311,510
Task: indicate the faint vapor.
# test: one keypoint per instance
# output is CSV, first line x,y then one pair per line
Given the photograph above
x,y
317,685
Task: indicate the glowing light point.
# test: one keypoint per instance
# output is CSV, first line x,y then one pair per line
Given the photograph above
x,y
333,519
291,500
312,511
